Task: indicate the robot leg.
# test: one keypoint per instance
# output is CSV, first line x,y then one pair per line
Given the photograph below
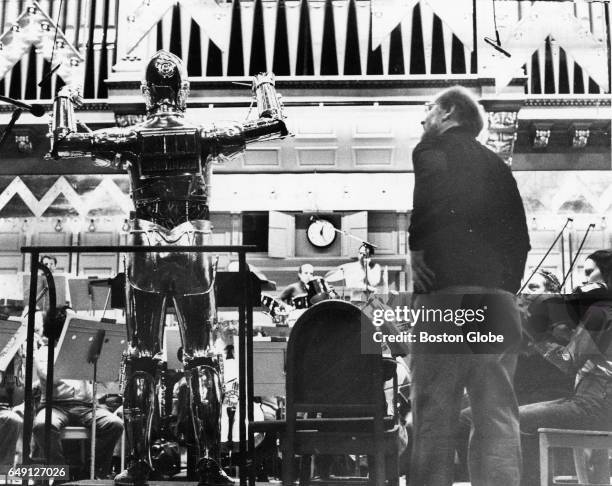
x,y
144,322
196,314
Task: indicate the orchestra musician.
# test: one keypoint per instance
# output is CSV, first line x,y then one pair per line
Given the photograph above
x,y
72,405
545,322
300,288
588,358
11,417
360,277
50,261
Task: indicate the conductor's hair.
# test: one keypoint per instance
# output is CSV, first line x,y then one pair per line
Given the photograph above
x,y
466,110
603,260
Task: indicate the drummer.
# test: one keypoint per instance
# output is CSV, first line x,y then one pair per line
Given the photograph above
x,y
360,277
299,289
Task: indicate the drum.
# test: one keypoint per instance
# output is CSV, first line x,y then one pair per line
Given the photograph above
x,y
276,309
300,302
318,290
294,315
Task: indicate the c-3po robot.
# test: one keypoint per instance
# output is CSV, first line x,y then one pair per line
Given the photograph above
x,y
169,161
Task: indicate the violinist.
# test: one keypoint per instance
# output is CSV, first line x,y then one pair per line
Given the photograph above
x,y
545,323
588,358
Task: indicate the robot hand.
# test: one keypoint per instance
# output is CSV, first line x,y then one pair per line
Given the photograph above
x,y
268,101
104,145
63,122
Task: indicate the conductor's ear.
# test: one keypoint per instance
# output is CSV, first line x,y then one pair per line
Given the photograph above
x,y
449,113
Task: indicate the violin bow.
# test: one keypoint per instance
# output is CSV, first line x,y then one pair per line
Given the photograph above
x,y
573,262
569,220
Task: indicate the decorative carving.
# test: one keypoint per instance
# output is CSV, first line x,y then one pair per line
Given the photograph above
x,y
502,126
24,145
501,143
96,194
541,137
502,119
580,137
562,101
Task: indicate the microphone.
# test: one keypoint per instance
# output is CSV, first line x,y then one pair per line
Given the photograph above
x,y
36,110
497,46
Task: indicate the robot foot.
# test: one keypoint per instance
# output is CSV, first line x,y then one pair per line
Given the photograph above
x,y
211,474
136,474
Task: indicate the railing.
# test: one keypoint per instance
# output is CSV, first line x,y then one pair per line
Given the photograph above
x,y
300,38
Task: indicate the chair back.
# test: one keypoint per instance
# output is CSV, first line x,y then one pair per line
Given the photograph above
x,y
327,371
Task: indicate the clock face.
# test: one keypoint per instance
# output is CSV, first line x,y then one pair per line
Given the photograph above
x,y
321,233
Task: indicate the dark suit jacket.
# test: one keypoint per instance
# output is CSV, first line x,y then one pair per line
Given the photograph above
x,y
468,215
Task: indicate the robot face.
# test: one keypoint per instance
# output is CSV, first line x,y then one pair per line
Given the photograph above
x,y
165,82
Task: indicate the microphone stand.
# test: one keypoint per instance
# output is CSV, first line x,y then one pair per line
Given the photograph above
x,y
94,353
21,106
368,292
9,127
346,233
363,242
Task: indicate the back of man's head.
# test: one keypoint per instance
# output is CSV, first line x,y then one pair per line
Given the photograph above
x,y
465,109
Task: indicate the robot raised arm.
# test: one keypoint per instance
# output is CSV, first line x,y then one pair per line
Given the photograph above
x,y
229,141
68,142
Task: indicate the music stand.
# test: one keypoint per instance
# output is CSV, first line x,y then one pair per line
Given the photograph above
x,y
87,297
92,351
12,335
269,360
41,283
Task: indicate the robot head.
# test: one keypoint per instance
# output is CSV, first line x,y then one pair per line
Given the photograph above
x,y
165,83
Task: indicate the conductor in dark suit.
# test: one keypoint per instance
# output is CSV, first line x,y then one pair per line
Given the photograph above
x,y
469,243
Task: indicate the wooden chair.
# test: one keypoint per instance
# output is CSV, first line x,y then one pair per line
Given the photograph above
x,y
578,440
341,389
77,433
83,434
